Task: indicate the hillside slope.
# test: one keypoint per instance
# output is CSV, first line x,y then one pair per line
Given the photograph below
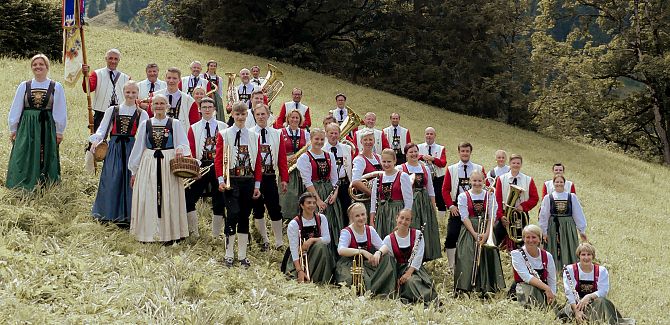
x,y
58,265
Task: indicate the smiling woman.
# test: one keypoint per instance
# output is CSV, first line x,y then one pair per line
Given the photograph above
x,y
37,121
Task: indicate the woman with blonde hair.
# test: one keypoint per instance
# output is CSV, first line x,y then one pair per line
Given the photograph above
x,y
534,271
391,192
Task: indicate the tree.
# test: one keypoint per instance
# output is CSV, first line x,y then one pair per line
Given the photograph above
x,y
30,27
615,88
93,8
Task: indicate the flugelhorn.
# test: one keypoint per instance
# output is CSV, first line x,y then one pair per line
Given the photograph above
x,y
357,270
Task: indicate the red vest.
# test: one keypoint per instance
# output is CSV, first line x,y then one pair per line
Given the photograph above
x,y
423,168
397,253
471,207
287,141
544,274
596,274
317,218
369,167
354,244
396,189
315,174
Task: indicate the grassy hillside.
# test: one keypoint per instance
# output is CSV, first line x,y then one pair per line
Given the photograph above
x,y
57,265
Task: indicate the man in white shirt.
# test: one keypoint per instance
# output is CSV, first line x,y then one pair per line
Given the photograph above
x,y
107,83
398,137
194,79
256,78
435,156
150,85
180,104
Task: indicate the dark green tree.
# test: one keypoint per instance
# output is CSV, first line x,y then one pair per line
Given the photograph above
x,y
30,27
93,8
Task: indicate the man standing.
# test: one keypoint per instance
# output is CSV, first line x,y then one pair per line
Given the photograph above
x,y
340,113
295,104
194,80
182,106
274,163
457,181
557,169
256,78
150,85
246,88
435,157
381,142
107,83
398,137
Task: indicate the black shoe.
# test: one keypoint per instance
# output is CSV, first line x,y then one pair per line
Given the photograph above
x,y
265,247
246,263
228,261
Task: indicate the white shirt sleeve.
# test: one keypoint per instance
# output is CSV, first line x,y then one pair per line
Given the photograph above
x,y
345,239
407,192
101,133
377,242
578,215
180,138
293,234
418,258
16,109
603,282
59,109
545,213
138,148
463,206
325,230
373,195
333,169
305,169
358,168
431,188
388,245
551,277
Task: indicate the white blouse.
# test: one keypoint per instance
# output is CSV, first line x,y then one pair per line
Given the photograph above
x,y
603,282
577,211
405,186
305,168
345,238
59,111
293,233
404,242
536,263
124,110
178,138
463,203
418,170
359,166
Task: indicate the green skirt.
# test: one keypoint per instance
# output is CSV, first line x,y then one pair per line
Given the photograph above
x,y
333,214
600,310
569,241
320,261
419,287
490,276
289,200
24,168
385,216
380,280
529,296
424,213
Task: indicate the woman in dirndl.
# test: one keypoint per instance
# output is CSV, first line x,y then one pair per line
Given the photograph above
x,y
158,203
423,207
534,271
391,192
37,120
318,170
379,273
561,216
476,205
113,201
406,245
293,138
586,286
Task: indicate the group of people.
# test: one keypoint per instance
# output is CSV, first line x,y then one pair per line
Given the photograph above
x,y
370,193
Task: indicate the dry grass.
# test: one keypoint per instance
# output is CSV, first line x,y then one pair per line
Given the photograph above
x,y
57,265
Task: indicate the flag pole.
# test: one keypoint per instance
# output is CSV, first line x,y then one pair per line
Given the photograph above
x,y
86,81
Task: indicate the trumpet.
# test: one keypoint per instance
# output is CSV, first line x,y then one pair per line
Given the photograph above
x,y
304,260
203,170
226,166
481,230
357,281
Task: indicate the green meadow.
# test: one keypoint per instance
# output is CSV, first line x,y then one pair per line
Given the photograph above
x,y
58,265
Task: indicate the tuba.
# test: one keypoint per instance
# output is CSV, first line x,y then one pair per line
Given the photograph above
x,y
357,270
271,86
517,220
231,94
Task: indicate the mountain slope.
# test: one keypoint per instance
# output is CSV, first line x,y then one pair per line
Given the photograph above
x,y
58,265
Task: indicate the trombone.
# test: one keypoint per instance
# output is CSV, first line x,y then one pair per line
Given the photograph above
x,y
203,170
489,217
304,259
357,269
